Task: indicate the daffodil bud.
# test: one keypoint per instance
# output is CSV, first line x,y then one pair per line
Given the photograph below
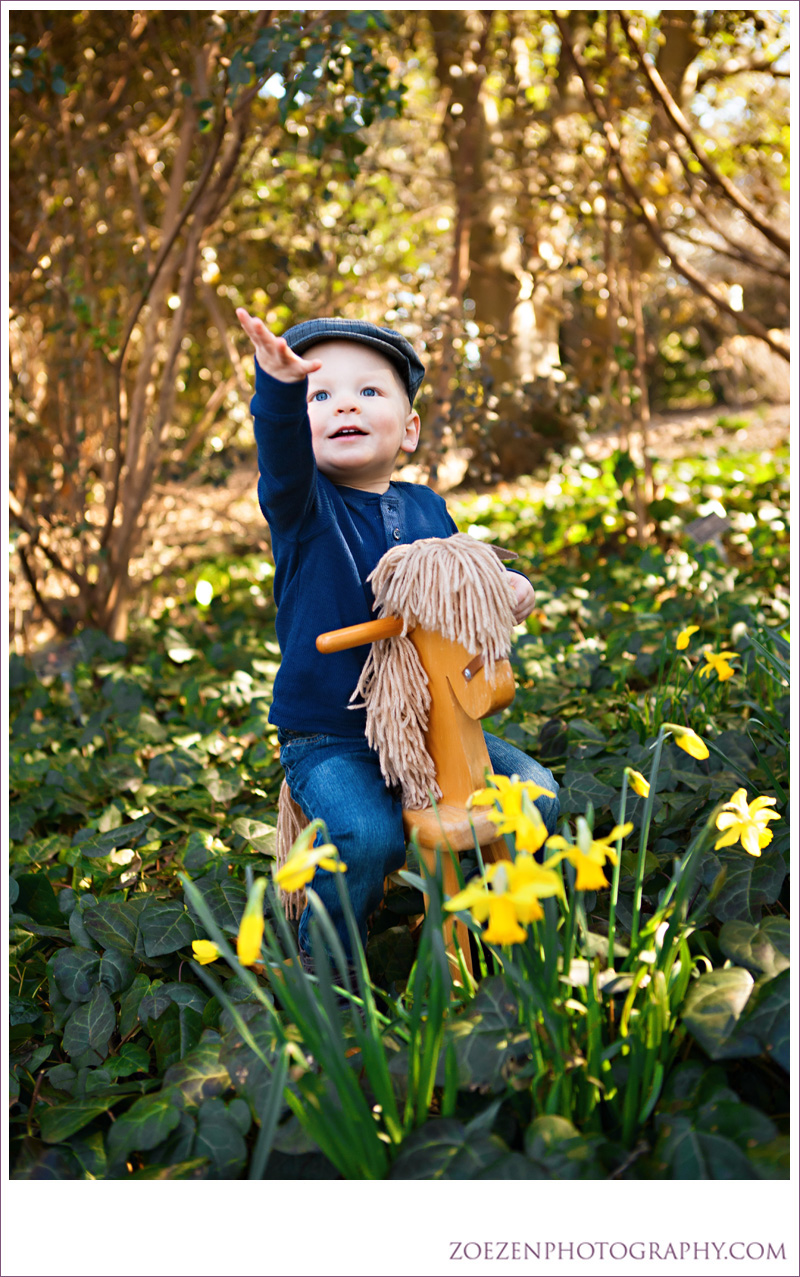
x,y
251,928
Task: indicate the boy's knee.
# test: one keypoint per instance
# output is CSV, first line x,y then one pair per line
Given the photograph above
x,y
374,841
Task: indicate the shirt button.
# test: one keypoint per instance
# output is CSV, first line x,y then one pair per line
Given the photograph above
x,y
396,534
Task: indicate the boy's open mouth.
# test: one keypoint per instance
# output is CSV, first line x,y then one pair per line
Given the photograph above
x,y
347,430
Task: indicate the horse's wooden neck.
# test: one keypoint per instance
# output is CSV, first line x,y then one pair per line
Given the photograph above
x,y
454,738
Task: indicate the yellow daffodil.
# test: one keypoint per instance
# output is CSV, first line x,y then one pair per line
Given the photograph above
x,y
530,882
507,895
688,740
587,855
682,641
637,782
302,863
746,823
503,927
517,814
508,793
530,831
719,663
251,927
205,951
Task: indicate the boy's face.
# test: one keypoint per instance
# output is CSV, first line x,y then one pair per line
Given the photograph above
x,y
359,413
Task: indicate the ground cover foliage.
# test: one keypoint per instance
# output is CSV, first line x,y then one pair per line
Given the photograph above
x,y
144,784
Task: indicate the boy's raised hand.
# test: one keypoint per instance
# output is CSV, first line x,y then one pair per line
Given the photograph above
x,y
272,353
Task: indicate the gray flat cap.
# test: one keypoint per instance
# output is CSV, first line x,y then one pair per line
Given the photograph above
x,y
394,347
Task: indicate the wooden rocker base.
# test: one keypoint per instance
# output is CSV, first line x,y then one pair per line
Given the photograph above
x,y
441,830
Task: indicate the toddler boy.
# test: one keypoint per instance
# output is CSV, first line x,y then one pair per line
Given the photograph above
x,y
333,410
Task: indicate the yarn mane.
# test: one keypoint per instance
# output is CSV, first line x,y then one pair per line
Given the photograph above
x,y
456,586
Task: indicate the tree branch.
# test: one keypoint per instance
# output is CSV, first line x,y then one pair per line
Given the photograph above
x,y
34,536
739,255
64,625
673,111
646,212
734,66
782,272
199,188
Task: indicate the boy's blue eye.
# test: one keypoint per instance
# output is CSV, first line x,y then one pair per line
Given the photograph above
x,y
320,395
369,390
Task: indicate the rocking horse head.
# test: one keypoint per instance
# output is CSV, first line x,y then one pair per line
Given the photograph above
x,y
453,602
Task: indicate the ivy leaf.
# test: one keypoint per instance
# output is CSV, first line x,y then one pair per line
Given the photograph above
x,y
75,972
581,788
558,1150
257,834
131,1058
199,1075
90,1027
166,928
58,1123
130,1002
688,1153
251,1077
20,819
175,1033
221,788
113,925
750,883
762,949
766,1018
117,970
177,769
93,844
37,899
220,1139
225,899
146,1123
155,1003
484,1038
712,1009
445,1149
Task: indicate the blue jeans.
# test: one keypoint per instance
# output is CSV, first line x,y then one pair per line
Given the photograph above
x,y
339,779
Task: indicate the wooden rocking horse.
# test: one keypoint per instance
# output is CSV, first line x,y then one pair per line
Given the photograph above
x,y
437,666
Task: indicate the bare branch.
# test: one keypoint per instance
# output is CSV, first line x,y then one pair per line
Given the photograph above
x,y
702,209
64,624
735,66
213,404
670,106
737,255
218,320
136,196
645,211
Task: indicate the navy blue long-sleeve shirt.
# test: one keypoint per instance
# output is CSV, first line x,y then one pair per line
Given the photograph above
x,y
326,539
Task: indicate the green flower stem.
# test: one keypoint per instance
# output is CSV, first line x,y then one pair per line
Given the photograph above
x,y
648,815
662,682
682,687
682,880
550,907
612,908
569,937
